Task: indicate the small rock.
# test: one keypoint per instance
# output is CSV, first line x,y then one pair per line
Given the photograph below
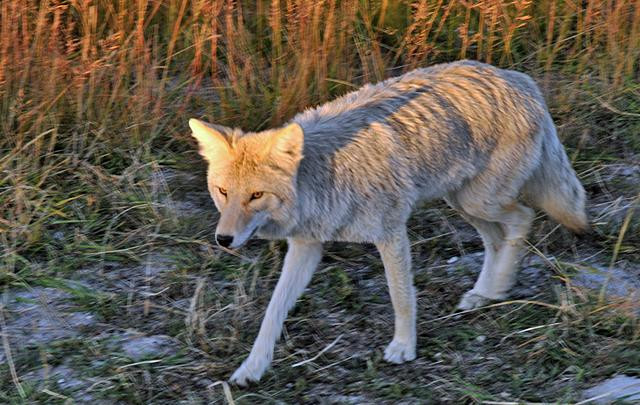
x,y
619,283
629,171
204,382
347,399
58,235
481,338
156,263
81,319
619,387
41,315
148,346
65,377
453,260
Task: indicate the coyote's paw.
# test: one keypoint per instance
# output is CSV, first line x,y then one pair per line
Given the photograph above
x,y
471,300
398,352
249,371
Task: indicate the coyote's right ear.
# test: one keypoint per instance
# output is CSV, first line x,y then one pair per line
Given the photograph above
x,y
211,138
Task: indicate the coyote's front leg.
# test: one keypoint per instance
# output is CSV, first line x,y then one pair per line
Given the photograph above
x,y
300,262
396,258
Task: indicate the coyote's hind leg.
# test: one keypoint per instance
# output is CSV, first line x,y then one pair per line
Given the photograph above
x,y
503,235
492,239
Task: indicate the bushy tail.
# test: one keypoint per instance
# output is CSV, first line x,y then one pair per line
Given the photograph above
x,y
554,186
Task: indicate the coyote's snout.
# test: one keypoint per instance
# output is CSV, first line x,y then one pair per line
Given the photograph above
x,y
353,169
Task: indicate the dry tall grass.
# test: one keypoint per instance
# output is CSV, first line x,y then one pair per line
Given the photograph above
x,y
89,89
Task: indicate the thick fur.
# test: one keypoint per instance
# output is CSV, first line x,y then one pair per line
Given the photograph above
x,y
354,168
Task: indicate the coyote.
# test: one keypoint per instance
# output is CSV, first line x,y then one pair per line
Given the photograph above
x,y
352,169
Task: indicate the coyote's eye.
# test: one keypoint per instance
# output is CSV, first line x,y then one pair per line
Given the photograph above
x,y
256,195
222,191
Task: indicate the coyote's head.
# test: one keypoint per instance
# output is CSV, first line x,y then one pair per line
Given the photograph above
x,y
251,177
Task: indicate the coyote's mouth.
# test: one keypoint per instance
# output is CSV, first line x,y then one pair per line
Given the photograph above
x,y
256,222
244,241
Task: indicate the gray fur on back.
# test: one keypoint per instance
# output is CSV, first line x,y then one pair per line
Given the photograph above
x,y
463,128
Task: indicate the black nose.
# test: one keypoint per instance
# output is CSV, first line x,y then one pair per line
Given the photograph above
x,y
224,240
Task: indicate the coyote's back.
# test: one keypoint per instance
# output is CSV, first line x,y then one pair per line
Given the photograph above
x,y
474,134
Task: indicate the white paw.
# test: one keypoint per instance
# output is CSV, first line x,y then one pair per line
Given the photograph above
x,y
249,371
398,352
471,300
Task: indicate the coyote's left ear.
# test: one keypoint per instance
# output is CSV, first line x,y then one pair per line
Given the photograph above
x,y
211,138
287,145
